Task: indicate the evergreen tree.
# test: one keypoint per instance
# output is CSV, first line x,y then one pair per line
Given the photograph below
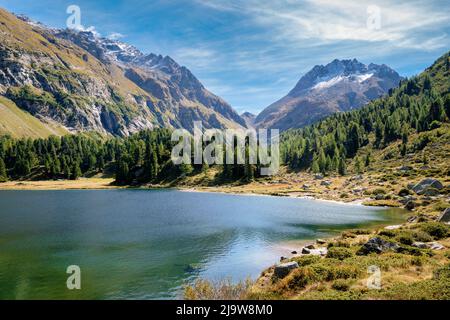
x,y
342,168
76,171
3,174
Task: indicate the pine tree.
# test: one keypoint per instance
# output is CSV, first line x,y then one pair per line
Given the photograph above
x,y
3,174
367,161
76,171
358,165
342,169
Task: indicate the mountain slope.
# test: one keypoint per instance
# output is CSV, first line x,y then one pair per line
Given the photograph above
x,y
249,119
341,85
398,127
55,78
20,124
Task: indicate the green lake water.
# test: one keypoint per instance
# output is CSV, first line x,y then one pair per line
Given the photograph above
x,y
146,244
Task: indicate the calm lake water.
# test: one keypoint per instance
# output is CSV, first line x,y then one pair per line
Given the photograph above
x,y
139,244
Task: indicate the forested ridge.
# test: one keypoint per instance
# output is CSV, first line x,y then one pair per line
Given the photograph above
x,y
420,104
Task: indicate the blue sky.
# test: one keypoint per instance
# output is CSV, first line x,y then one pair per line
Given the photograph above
x,y
252,52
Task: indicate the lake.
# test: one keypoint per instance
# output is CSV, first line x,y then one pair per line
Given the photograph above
x,y
147,244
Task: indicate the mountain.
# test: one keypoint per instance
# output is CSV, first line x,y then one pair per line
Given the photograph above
x,y
84,82
249,119
341,85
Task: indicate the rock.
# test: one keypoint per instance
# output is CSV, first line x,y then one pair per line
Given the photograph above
x,y
306,186
410,205
318,252
379,196
424,168
282,258
357,177
306,251
420,245
405,168
430,192
435,246
325,183
445,217
318,176
429,245
294,252
310,246
393,227
320,241
283,269
425,184
412,219
377,245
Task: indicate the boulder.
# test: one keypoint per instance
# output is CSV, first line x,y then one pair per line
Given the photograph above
x,y
428,245
306,251
294,252
310,246
377,245
445,216
393,227
318,252
405,168
430,192
410,205
412,219
325,183
435,246
420,245
283,269
425,184
320,241
318,176
379,196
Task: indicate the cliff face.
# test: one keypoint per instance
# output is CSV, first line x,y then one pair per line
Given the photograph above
x,y
89,83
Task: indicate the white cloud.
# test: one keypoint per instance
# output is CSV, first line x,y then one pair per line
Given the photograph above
x,y
402,24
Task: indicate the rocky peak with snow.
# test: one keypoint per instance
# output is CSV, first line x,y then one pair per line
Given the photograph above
x,y
341,85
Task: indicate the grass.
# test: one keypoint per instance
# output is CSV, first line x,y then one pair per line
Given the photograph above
x,y
83,183
19,123
409,274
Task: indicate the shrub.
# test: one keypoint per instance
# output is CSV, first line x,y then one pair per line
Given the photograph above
x,y
387,233
339,243
222,290
306,260
435,229
422,236
341,285
405,238
339,253
378,191
404,192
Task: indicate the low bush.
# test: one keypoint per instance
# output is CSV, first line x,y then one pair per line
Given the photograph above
x,y
435,229
339,253
341,285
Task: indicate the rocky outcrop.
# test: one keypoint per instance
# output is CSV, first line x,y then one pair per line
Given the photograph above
x,y
428,187
89,83
341,85
445,216
283,269
377,245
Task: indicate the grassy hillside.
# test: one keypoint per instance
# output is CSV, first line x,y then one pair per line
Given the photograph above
x,y
20,124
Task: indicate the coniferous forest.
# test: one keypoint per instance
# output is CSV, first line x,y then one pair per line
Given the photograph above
x,y
420,104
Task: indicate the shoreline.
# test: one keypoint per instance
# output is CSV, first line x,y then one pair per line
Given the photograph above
x,y
106,184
